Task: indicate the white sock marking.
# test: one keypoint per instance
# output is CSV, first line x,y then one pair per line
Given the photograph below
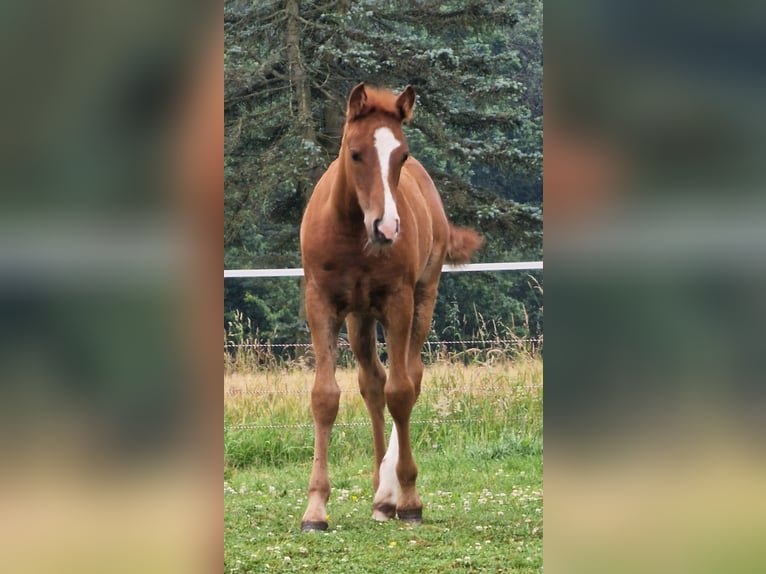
x,y
388,489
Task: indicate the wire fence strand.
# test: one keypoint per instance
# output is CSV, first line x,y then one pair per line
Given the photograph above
x,y
464,389
344,343
367,423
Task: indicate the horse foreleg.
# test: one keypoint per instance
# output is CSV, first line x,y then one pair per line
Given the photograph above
x,y
325,398
400,396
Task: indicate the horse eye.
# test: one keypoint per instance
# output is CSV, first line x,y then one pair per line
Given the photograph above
x,y
356,156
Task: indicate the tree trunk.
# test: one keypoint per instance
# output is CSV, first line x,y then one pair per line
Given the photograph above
x,y
300,89
299,83
334,112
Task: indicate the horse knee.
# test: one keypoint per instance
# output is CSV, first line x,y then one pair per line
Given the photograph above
x,y
371,381
400,401
371,376
325,403
372,395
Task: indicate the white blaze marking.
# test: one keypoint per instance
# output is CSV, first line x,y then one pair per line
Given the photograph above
x,y
385,144
388,489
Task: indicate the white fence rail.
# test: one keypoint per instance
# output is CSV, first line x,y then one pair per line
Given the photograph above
x,y
298,271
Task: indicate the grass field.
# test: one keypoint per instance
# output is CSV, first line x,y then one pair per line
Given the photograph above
x,y
477,439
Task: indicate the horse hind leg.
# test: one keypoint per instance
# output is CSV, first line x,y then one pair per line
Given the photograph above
x,y
387,492
400,393
424,299
372,378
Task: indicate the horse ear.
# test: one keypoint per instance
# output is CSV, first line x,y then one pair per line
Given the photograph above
x,y
406,102
356,101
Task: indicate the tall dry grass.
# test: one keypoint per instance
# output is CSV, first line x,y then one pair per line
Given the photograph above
x,y
268,417
247,350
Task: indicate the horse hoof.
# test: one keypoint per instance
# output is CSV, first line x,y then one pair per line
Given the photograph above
x,y
311,525
382,512
413,515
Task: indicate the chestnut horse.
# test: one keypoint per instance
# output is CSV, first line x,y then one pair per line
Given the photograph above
x,y
373,240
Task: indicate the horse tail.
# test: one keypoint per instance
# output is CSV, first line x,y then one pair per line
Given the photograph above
x,y
463,243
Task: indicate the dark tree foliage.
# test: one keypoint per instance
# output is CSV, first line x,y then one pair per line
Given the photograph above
x,y
476,67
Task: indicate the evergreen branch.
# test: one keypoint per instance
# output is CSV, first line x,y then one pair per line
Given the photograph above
x,y
479,13
261,11
263,77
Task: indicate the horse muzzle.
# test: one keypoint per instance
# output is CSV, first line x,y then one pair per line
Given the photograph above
x,y
385,231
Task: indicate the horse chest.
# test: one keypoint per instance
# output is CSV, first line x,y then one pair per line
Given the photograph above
x,y
359,293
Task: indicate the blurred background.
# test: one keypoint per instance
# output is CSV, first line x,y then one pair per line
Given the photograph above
x,y
110,220
654,251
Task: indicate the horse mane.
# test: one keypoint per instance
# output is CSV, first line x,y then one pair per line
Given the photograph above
x,y
379,100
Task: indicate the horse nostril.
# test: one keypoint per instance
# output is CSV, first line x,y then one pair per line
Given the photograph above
x,y
379,236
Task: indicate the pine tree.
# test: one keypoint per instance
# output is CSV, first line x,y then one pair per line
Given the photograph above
x,y
290,65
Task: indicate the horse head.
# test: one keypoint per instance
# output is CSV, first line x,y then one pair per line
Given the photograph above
x,y
373,153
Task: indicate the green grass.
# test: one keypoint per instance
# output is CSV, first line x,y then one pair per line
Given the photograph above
x,y
480,476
